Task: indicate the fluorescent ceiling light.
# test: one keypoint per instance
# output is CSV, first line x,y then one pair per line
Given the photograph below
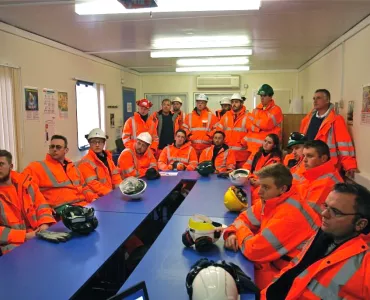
x,y
213,69
200,52
217,61
95,7
200,42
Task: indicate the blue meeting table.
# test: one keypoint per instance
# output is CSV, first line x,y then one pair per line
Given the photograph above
x,y
168,261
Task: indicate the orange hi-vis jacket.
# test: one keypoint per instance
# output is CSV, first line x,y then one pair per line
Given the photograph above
x,y
58,185
263,121
132,164
218,114
317,184
342,274
98,177
185,155
235,128
334,132
180,116
156,117
200,128
263,161
224,161
22,209
136,125
273,233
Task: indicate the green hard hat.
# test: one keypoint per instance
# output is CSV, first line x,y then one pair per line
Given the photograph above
x,y
296,138
205,168
266,90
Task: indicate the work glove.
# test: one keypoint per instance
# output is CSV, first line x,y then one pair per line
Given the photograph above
x,y
180,167
54,237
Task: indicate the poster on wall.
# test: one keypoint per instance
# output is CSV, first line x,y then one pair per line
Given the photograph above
x,y
31,100
50,103
351,105
365,110
63,105
112,121
49,129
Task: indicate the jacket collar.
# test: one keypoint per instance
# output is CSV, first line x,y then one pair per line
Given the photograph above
x,y
271,104
95,156
185,146
325,168
51,160
271,204
206,110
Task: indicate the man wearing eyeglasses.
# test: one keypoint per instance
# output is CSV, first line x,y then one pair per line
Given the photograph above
x,y
335,263
319,175
324,124
59,179
97,166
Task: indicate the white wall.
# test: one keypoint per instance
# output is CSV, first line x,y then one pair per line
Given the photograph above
x,y
344,84
46,66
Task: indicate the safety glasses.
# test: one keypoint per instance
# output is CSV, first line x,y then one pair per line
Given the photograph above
x,y
58,147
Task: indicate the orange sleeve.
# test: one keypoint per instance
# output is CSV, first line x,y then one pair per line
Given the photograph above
x,y
248,164
186,126
268,119
31,171
153,162
12,236
230,161
87,171
44,212
90,196
127,134
193,163
154,134
213,127
126,164
220,124
162,160
203,156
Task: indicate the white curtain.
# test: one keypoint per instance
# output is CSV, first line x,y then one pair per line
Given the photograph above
x,y
9,82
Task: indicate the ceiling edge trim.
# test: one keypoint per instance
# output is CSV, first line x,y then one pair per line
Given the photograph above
x,y
220,73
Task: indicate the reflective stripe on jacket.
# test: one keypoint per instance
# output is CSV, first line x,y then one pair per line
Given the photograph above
x,y
263,121
235,128
136,125
98,177
185,155
200,128
317,184
334,132
21,215
224,162
58,186
343,274
132,164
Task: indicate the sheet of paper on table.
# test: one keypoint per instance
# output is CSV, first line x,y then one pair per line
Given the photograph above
x,y
168,173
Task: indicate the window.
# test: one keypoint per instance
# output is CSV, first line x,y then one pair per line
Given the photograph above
x,y
90,110
9,78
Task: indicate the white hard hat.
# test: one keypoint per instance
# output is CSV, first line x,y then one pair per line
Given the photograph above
x,y
236,96
214,283
202,97
177,99
225,100
145,137
96,133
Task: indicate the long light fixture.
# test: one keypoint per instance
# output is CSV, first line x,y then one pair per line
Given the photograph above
x,y
213,69
96,7
192,42
215,61
201,52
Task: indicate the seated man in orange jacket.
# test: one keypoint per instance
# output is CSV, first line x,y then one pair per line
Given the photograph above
x,y
274,230
59,179
137,160
97,166
220,154
320,174
181,155
335,263
23,208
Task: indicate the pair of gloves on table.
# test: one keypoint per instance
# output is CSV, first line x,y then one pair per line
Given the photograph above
x,y
54,237
181,167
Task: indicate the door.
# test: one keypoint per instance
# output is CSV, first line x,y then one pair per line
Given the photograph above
x,y
129,103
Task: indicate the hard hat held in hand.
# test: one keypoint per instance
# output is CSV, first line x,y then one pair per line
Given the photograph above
x,y
133,187
239,177
202,232
235,199
145,137
202,97
96,133
79,219
225,100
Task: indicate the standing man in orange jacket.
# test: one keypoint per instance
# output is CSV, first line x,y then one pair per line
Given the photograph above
x,y
180,156
234,124
59,179
166,123
97,166
137,160
200,125
266,118
322,123
138,123
335,264
222,157
225,107
273,231
320,174
23,209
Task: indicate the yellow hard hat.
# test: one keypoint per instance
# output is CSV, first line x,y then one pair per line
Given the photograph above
x,y
235,199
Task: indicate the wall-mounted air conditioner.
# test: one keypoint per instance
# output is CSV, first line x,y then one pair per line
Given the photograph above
x,y
217,82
